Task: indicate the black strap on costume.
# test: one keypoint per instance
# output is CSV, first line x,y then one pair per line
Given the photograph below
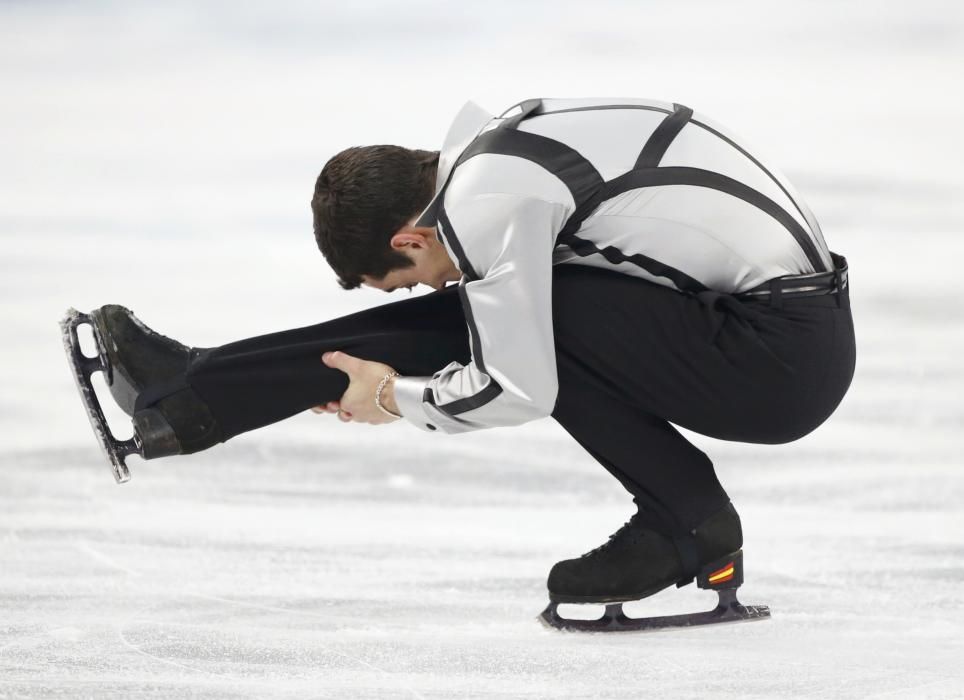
x,y
589,189
663,136
776,293
491,390
698,177
447,233
649,157
567,164
840,270
806,285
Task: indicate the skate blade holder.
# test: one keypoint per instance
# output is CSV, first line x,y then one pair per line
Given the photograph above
x,y
82,367
723,576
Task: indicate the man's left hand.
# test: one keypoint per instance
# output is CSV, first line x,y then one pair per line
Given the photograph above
x,y
357,405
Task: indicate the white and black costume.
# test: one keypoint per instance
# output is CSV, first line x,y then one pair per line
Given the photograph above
x,y
627,265
643,188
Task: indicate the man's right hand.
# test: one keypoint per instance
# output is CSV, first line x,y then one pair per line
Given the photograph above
x,y
331,407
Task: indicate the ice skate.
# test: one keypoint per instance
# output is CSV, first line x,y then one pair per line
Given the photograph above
x,y
637,562
145,372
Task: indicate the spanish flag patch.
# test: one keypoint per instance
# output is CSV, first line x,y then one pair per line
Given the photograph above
x,y
721,575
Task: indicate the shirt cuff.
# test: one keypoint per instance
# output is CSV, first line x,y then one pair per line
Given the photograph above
x,y
408,392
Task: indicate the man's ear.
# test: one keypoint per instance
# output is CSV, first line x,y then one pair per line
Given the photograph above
x,y
411,236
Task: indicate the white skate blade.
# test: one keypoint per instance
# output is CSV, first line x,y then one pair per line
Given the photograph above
x,y
81,368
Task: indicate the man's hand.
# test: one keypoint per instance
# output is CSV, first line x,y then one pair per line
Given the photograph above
x,y
358,402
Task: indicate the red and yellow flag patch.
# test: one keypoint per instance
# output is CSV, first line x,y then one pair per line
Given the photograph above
x,y
721,575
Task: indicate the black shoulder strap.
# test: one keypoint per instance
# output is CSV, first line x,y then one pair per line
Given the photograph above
x,y
662,137
576,172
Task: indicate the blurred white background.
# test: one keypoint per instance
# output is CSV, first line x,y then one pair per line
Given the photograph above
x,y
163,155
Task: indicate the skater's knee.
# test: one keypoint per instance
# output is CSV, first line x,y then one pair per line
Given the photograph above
x,y
768,429
786,434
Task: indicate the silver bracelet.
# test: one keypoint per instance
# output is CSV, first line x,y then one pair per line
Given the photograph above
x,y
378,393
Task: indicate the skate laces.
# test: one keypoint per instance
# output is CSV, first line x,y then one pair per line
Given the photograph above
x,y
612,538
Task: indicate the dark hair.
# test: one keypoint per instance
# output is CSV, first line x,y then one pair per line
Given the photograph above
x,y
362,197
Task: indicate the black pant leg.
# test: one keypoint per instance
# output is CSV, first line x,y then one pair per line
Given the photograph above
x,y
670,478
257,381
634,356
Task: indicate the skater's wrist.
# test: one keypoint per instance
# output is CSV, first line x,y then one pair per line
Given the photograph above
x,y
385,395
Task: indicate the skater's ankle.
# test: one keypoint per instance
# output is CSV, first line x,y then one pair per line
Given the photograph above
x,y
179,423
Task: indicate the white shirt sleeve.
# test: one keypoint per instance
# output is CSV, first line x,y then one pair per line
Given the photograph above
x,y
508,241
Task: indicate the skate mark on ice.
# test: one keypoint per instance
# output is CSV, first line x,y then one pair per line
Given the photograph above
x,y
20,640
914,690
130,645
87,549
870,676
84,547
300,613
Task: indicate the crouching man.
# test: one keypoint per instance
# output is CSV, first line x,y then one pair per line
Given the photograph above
x,y
620,265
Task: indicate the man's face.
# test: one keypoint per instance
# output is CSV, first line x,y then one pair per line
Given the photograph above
x,y
405,278
432,266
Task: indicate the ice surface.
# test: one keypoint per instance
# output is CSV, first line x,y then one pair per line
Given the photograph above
x,y
162,156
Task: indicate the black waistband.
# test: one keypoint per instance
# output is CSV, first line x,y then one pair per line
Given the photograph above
x,y
814,284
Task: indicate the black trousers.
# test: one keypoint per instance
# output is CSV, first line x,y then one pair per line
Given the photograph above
x,y
633,357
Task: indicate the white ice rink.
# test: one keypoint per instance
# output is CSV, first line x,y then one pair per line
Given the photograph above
x,y
162,155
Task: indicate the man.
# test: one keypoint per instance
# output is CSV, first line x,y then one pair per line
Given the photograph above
x,y
622,265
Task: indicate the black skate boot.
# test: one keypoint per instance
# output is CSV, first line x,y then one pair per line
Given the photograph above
x,y
637,561
138,356
146,373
